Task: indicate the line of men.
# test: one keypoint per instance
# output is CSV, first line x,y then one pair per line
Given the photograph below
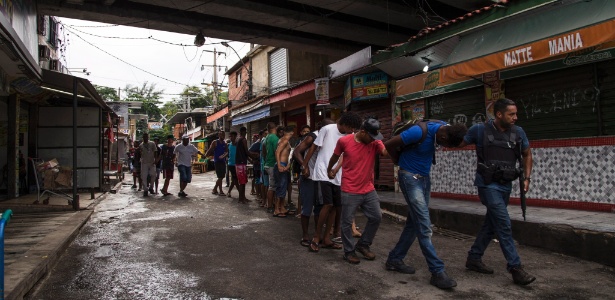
x,y
337,178
337,166
150,160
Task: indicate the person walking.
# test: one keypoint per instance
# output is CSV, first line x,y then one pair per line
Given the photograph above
x,y
360,151
184,153
148,164
219,149
167,156
329,188
499,145
414,180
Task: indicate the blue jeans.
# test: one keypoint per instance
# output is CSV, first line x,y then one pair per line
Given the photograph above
x,y
497,221
185,173
418,225
370,204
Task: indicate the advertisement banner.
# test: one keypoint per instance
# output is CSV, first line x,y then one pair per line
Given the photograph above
x,y
154,125
322,91
121,109
370,86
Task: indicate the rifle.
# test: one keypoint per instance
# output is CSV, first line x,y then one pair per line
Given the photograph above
x,y
521,183
522,193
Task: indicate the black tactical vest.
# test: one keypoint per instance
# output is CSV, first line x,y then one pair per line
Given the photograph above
x,y
500,148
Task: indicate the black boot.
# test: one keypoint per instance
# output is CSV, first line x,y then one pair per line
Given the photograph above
x,y
442,281
477,265
521,277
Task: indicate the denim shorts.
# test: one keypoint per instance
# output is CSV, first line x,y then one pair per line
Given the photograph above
x,y
185,173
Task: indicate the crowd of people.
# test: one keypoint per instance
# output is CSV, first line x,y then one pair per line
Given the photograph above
x,y
335,164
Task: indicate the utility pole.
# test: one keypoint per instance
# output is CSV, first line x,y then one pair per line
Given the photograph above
x,y
215,81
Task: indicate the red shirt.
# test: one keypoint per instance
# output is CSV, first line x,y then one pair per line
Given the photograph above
x,y
358,164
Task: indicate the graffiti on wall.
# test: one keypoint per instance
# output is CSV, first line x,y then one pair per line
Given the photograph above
x,y
550,101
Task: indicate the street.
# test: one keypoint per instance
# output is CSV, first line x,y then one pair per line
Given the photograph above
x,y
211,247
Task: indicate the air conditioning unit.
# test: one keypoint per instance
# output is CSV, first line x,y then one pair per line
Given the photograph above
x,y
44,52
55,65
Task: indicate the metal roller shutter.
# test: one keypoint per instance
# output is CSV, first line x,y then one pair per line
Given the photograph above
x,y
380,109
557,104
606,75
278,70
467,107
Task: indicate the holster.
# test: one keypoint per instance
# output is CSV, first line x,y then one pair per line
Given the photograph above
x,y
487,172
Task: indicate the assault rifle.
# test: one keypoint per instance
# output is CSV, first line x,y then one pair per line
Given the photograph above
x,y
521,183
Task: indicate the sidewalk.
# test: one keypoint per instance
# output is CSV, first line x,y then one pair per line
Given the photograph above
x,y
35,241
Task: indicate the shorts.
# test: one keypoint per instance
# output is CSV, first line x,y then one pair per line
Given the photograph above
x,y
330,193
233,172
220,167
271,176
168,173
257,176
185,173
282,180
136,169
242,174
309,198
158,171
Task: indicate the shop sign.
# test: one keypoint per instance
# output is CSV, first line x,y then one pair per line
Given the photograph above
x,y
542,50
370,86
154,125
121,109
322,90
347,92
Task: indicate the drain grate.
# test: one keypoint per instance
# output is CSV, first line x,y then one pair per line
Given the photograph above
x,y
452,234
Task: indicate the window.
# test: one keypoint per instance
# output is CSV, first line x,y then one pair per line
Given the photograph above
x,y
53,32
238,78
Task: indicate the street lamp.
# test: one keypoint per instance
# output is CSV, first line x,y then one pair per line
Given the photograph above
x,y
79,70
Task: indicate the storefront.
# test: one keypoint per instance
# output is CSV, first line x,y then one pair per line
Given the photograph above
x,y
369,95
564,85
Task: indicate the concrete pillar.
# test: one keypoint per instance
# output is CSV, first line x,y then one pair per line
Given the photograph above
x,y
13,146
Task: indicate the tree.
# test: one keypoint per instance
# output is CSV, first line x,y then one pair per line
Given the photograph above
x,y
147,94
199,97
107,93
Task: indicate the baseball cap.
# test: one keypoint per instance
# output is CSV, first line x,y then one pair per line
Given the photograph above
x,y
372,127
185,136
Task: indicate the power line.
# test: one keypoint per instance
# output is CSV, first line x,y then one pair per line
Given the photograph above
x,y
140,69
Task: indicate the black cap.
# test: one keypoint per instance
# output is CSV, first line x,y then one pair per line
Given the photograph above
x,y
372,127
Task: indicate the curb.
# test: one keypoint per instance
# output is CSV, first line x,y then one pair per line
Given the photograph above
x,y
25,273
585,244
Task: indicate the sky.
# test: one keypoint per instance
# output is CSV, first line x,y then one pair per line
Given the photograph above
x,y
119,55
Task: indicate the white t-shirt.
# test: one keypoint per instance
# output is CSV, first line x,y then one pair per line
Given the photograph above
x,y
326,140
184,154
148,153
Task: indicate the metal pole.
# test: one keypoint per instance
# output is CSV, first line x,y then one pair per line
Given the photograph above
x,y
75,195
6,216
117,146
215,79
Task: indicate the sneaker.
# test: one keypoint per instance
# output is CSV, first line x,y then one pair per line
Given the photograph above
x,y
145,193
364,250
399,266
477,265
442,281
182,194
521,277
352,258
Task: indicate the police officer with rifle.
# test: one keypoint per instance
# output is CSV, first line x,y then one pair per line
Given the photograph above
x,y
499,145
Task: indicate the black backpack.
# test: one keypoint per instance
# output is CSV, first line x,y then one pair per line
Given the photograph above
x,y
405,125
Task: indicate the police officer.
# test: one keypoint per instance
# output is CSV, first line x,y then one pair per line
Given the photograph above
x,y
499,145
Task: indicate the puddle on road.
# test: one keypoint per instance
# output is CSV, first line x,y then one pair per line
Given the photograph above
x,y
104,252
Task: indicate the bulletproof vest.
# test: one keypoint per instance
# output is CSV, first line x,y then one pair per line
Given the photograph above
x,y
500,148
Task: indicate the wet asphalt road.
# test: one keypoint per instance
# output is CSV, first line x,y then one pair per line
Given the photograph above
x,y
210,247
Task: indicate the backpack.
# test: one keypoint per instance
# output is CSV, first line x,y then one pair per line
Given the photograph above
x,y
422,123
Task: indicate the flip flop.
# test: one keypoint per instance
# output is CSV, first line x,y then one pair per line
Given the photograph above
x,y
305,243
313,246
333,246
221,194
279,215
166,194
214,193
